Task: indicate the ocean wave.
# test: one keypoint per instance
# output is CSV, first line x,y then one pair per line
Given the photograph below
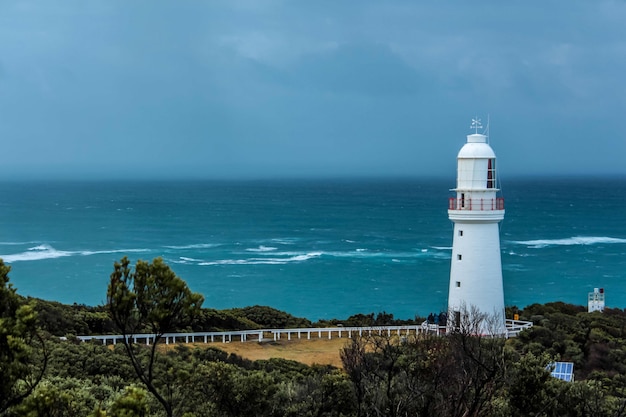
x,y
195,246
576,240
263,261
16,243
285,240
36,253
262,249
45,251
521,255
104,252
183,260
362,253
419,253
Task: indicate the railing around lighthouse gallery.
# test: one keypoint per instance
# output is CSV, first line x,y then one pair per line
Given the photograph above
x,y
479,204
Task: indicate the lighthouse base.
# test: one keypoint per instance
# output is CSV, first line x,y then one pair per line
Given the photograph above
x,y
471,320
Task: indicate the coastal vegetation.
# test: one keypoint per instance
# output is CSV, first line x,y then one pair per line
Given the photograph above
x,y
47,371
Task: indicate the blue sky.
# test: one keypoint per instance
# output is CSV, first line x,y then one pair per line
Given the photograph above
x,y
255,89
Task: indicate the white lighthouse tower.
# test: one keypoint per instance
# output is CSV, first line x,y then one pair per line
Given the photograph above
x,y
476,295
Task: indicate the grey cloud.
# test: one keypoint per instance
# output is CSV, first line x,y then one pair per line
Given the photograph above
x,y
230,88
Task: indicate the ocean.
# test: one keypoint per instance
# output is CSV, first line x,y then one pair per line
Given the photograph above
x,y
319,249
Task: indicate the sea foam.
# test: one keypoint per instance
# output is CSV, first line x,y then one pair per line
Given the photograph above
x,y
576,240
36,253
45,251
263,261
262,249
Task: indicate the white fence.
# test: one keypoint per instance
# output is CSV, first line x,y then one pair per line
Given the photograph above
x,y
264,335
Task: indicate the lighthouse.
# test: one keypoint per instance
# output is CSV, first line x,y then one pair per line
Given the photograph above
x,y
476,295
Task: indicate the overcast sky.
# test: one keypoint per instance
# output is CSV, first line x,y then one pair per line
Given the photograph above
x,y
286,88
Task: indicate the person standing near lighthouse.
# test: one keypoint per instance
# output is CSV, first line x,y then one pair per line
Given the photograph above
x,y
476,295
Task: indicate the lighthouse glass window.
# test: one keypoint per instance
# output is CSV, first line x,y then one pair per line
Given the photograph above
x,y
491,173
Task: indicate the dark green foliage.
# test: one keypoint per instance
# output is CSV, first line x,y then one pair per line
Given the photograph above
x,y
132,403
287,368
360,320
531,389
595,342
233,390
151,299
270,318
381,319
211,320
550,308
61,320
89,360
23,357
322,393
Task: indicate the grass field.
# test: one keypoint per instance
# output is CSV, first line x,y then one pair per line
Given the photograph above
x,y
310,352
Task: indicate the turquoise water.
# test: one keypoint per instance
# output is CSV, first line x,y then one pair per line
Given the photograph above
x,y
318,249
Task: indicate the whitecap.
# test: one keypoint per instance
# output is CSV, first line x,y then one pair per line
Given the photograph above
x,y
576,240
194,246
262,249
16,243
264,261
183,258
45,251
105,252
365,253
43,247
36,253
285,240
185,261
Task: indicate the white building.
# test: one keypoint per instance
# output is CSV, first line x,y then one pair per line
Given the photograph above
x,y
595,300
476,267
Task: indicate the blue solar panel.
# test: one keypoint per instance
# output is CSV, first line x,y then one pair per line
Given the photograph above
x,y
562,370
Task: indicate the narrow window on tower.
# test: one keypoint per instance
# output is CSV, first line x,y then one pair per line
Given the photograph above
x,y
462,200
460,232
458,284
491,169
459,257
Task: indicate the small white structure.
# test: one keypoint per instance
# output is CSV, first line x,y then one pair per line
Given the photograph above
x,y
595,300
476,267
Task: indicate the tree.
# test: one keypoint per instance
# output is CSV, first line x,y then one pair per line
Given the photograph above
x,y
151,299
234,391
460,374
478,354
381,368
530,386
131,404
23,356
